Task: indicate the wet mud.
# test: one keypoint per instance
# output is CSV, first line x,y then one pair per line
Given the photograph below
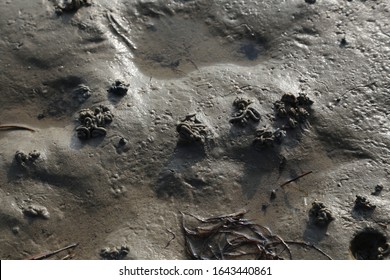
x,y
118,116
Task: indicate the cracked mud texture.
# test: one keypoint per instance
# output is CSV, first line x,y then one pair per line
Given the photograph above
x,y
185,57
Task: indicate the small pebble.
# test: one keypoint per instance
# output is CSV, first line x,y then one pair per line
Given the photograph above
x,y
378,189
15,230
343,42
40,116
273,195
122,141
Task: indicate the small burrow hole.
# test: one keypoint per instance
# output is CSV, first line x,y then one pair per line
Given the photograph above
x,y
365,244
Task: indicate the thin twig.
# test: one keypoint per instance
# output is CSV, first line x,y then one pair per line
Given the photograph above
x,y
52,253
285,245
193,63
296,178
15,127
170,240
68,257
309,245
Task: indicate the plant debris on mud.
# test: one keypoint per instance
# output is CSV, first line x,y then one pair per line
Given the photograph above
x,y
232,237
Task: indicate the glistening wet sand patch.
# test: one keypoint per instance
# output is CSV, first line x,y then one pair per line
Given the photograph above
x,y
174,46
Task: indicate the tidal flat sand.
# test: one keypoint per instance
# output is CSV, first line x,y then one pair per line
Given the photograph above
x,y
185,69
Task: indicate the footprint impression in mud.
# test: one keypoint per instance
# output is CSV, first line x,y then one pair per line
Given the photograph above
x,y
168,43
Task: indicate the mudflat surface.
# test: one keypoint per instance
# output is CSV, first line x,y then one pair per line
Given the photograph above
x,y
179,58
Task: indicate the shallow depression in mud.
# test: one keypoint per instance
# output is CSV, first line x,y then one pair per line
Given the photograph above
x,y
182,45
175,45
367,244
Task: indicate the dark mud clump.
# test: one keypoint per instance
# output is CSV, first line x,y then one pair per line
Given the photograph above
x,y
369,244
82,93
115,253
267,138
378,189
320,214
362,204
71,6
119,88
25,160
36,211
122,146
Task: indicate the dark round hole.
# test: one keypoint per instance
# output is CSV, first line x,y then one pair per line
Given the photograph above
x,y
365,244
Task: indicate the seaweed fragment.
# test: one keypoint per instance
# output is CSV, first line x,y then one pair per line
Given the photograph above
x,y
231,237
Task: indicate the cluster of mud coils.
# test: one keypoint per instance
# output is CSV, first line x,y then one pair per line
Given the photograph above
x,y
290,110
320,214
24,159
93,121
